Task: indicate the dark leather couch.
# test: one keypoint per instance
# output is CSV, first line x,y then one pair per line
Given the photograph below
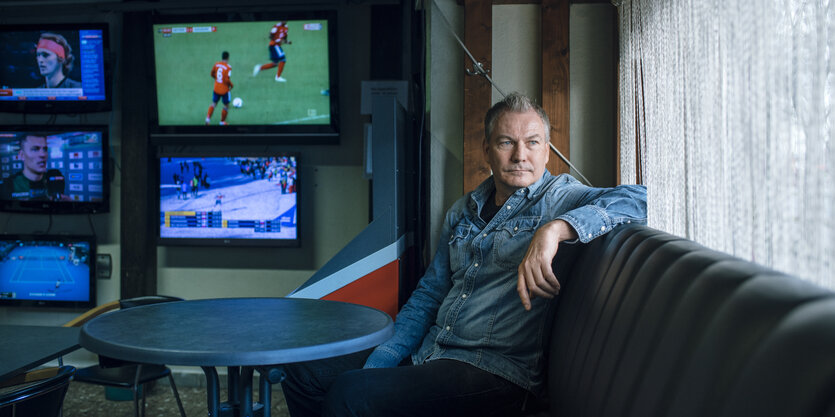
x,y
649,324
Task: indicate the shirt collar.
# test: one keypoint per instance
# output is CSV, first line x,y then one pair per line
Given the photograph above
x,y
485,189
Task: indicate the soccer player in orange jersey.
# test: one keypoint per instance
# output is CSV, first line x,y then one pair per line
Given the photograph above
x,y
221,73
278,37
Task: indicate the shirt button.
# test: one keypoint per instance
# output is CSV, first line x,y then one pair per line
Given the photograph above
x,y
589,235
484,235
509,207
515,229
602,228
463,295
448,328
476,264
629,221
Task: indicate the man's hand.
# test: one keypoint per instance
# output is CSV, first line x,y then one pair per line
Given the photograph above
x,y
535,275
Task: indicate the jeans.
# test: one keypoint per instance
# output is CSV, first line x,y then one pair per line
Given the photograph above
x,y
340,387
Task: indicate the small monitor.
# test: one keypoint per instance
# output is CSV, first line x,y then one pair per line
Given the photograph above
x,y
232,200
269,78
54,169
44,270
54,68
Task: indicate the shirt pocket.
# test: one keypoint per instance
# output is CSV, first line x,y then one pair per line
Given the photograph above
x,y
512,240
459,246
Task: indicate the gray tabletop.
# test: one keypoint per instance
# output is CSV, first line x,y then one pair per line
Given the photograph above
x,y
236,331
26,347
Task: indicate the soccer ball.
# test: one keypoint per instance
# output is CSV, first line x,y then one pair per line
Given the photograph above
x,y
237,102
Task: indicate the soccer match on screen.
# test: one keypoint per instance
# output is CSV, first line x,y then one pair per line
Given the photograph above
x,y
49,271
242,73
228,198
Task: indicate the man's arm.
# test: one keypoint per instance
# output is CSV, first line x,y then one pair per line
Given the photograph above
x,y
596,212
420,311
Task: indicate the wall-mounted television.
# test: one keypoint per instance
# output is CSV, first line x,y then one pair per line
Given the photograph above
x,y
54,68
54,169
232,200
279,78
48,270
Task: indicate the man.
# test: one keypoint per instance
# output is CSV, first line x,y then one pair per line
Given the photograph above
x,y
55,61
473,331
34,181
221,73
278,37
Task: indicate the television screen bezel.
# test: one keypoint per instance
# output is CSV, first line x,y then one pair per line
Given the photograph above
x,y
91,239
251,134
65,207
229,242
66,106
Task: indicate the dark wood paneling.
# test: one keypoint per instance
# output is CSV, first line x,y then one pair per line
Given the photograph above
x,y
477,90
138,246
555,82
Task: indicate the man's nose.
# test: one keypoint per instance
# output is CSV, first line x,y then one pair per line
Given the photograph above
x,y
518,153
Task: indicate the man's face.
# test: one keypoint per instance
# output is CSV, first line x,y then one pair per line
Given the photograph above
x,y
517,151
48,62
33,153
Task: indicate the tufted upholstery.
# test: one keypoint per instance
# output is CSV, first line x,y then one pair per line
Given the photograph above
x,y
650,324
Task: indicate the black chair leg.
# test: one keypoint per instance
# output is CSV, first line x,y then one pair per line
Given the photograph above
x,y
135,401
144,398
136,388
176,395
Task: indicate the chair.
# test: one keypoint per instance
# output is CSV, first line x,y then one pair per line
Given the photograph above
x,y
38,393
125,374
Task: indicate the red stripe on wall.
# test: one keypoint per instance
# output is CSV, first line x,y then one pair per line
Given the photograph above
x,y
378,289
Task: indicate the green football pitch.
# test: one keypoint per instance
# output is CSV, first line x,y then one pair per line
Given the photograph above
x,y
184,85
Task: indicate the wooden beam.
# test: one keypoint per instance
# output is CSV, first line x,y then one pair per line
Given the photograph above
x,y
555,82
478,28
137,239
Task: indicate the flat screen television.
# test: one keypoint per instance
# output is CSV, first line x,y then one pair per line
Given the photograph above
x,y
48,270
282,69
231,200
54,169
54,68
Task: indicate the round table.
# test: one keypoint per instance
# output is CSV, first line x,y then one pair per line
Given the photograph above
x,y
252,333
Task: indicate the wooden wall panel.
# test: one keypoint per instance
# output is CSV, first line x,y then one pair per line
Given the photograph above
x,y
555,82
477,90
137,241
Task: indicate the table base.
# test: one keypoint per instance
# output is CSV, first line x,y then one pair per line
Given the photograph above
x,y
239,391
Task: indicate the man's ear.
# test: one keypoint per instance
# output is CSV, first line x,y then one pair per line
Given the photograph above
x,y
547,150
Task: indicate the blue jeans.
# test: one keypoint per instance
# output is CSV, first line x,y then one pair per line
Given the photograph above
x,y
340,387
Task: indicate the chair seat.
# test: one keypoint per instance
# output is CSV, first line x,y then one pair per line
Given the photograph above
x,y
122,376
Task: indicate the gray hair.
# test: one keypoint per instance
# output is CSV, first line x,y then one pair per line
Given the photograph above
x,y
517,103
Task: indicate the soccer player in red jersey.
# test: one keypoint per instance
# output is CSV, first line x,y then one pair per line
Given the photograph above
x,y
278,37
221,73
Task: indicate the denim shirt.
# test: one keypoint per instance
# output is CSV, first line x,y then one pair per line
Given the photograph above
x,y
466,306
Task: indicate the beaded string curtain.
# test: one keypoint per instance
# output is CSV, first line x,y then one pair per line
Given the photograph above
x,y
727,117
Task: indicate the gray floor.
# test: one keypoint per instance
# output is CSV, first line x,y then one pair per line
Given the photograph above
x,y
86,400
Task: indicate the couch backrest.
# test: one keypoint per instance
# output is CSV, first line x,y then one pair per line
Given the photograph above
x,y
650,324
